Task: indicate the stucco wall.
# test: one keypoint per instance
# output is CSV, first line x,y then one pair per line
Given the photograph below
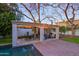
x,y
76,32
23,32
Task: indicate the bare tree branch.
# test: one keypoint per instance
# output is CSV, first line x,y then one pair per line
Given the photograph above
x,y
48,17
73,13
59,14
28,11
24,15
39,12
60,7
20,12
65,11
70,19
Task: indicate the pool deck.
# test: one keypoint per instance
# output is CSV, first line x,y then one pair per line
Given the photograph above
x,y
57,48
21,42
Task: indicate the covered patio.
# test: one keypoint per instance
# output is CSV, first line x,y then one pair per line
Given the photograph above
x,y
42,27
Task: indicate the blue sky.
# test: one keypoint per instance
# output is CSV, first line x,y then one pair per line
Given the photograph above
x,y
48,11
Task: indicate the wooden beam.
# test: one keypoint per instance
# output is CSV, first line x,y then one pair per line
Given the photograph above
x,y
30,25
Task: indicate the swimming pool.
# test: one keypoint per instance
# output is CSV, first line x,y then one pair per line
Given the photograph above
x,y
28,50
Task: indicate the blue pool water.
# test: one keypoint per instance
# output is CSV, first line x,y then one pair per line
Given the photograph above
x,y
28,50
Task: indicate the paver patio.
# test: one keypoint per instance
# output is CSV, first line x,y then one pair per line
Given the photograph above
x,y
57,48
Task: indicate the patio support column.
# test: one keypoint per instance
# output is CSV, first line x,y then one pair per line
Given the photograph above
x,y
57,32
41,34
14,34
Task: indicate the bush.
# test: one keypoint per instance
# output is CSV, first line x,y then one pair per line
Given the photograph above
x,y
20,37
5,23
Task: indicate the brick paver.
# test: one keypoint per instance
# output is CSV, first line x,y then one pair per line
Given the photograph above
x,y
57,48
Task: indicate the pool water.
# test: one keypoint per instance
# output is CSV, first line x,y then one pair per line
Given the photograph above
x,y
28,50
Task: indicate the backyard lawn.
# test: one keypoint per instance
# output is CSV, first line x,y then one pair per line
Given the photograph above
x,y
73,40
5,40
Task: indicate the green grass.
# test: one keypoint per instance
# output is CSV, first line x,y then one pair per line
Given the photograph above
x,y
6,40
73,40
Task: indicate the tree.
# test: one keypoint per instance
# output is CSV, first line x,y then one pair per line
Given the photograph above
x,y
5,23
69,11
63,29
32,12
6,16
74,8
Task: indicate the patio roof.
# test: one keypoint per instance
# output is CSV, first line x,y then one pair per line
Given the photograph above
x,y
21,24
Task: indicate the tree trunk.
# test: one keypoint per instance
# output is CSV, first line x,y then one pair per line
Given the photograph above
x,y
34,36
38,32
39,12
73,31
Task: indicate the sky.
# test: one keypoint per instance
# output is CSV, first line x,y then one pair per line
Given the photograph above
x,y
48,11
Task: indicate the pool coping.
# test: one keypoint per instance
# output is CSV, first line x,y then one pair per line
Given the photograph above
x,y
5,44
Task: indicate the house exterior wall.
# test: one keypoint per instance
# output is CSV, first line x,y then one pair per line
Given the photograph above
x,y
23,32
66,23
76,32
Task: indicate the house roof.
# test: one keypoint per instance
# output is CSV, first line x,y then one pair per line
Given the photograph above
x,y
66,23
21,24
